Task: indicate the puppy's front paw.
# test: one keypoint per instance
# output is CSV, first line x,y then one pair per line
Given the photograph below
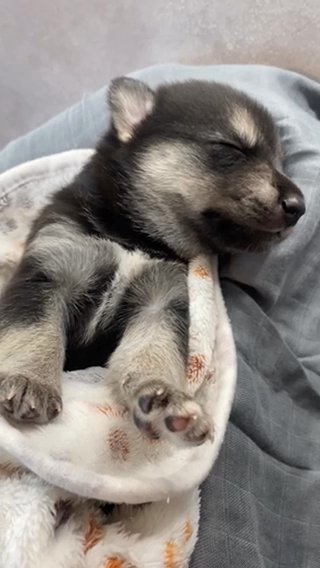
x,y
159,408
25,399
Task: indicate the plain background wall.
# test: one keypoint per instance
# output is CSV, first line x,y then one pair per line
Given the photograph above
x,y
54,52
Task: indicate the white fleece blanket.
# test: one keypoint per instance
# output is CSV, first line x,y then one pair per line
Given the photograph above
x,y
51,477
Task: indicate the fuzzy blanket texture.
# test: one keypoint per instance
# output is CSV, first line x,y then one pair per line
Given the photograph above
x,y
54,478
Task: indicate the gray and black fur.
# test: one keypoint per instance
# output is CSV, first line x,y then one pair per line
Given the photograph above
x,y
190,168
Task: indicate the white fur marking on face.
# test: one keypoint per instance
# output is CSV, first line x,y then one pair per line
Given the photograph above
x,y
244,125
174,167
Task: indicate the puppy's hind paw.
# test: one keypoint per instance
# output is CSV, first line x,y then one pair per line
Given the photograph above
x,y
159,409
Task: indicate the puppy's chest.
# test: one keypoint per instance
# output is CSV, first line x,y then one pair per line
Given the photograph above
x,y
130,283
117,273
126,282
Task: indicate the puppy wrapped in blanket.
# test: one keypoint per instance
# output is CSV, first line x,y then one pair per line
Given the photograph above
x,y
191,168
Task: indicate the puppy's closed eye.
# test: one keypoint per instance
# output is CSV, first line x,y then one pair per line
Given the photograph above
x,y
226,153
226,144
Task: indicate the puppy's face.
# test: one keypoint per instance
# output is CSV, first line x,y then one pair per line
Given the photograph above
x,y
204,158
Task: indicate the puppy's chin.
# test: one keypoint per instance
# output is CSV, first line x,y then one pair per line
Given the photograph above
x,y
233,238
264,241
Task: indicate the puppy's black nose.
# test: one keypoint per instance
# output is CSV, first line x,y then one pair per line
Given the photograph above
x,y
293,207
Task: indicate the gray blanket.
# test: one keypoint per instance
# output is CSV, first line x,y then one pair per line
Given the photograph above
x,y
261,502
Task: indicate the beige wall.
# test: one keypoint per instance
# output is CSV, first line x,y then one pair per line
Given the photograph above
x,y
53,52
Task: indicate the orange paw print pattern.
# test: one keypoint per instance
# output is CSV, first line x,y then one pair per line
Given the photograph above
x,y
117,562
196,367
93,535
187,531
113,411
201,272
172,556
119,444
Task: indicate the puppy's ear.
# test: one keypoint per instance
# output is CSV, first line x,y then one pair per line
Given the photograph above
x,y
130,101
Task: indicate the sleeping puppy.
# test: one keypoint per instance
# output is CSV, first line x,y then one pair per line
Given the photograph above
x,y
190,168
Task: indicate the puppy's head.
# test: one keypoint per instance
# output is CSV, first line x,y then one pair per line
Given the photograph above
x,y
204,165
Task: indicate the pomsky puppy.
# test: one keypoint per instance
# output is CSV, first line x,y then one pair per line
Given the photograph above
x,y
190,168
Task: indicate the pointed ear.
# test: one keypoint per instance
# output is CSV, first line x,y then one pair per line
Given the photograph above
x,y
130,101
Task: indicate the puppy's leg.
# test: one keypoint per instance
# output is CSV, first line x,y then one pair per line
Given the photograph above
x,y
149,366
31,345
40,308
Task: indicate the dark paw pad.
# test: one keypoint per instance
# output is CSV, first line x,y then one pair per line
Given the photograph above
x,y
159,398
